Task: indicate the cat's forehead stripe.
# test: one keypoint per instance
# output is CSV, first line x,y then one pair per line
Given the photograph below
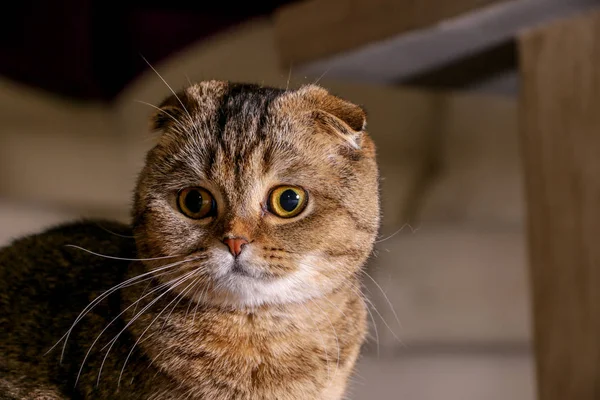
x,y
238,148
241,127
245,103
246,132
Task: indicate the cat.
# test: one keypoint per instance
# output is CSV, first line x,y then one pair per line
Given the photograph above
x,y
239,277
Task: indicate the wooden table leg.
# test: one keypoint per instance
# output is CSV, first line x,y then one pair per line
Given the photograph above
x,y
560,131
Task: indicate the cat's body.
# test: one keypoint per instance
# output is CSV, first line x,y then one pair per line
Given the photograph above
x,y
234,298
260,352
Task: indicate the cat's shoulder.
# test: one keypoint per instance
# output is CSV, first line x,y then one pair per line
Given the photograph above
x,y
88,230
77,242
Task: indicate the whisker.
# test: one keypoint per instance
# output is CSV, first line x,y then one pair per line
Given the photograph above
x,y
171,286
120,258
115,233
176,304
322,75
160,287
198,303
114,340
374,327
191,302
181,295
170,88
413,230
366,300
168,114
384,320
387,299
105,294
179,127
156,357
361,295
146,288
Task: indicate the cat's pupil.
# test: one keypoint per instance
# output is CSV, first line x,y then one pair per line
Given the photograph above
x,y
289,200
193,201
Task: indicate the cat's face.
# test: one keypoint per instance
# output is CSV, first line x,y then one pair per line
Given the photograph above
x,y
272,193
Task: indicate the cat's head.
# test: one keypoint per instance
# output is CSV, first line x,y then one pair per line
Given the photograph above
x,y
273,194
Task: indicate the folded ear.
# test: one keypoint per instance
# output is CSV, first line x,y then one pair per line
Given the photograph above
x,y
169,112
342,117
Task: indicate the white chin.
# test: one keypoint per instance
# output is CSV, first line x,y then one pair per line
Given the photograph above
x,y
246,291
239,289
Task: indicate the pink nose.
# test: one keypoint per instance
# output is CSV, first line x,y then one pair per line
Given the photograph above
x,y
235,245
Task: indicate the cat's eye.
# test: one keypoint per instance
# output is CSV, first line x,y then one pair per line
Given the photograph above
x,y
196,203
287,201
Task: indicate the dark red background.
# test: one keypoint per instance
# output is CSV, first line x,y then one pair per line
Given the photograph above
x,y
90,49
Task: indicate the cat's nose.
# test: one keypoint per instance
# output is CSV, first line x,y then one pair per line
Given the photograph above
x,y
235,245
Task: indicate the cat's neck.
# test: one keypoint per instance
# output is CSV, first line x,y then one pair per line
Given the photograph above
x,y
312,338
188,314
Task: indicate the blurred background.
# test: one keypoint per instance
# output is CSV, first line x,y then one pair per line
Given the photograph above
x,y
440,82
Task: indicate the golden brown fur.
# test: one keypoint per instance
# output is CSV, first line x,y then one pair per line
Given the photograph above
x,y
283,320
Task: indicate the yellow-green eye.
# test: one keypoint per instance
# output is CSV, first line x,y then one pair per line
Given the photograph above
x,y
196,202
287,201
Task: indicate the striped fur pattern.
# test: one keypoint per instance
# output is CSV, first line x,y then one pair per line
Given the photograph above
x,y
284,320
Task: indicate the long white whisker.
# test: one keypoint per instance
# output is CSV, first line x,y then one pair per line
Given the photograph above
x,y
115,233
383,319
101,297
322,75
387,299
121,258
365,299
171,285
181,295
160,287
204,292
362,296
413,230
114,340
170,88
144,291
191,302
168,114
374,326
181,298
178,124
155,358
